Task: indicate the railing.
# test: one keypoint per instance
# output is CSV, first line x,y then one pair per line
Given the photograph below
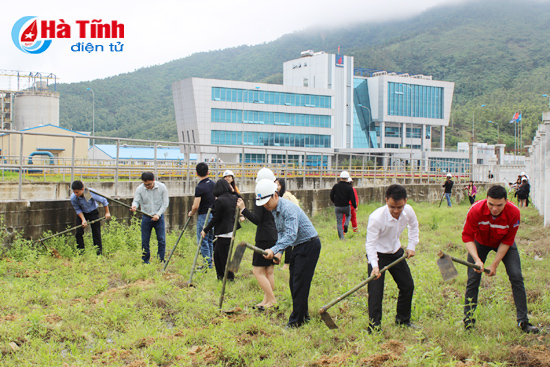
x,y
366,168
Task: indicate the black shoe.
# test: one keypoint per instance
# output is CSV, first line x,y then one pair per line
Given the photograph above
x,y
469,324
526,327
345,229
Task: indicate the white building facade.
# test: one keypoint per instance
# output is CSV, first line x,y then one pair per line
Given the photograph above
x,y
325,105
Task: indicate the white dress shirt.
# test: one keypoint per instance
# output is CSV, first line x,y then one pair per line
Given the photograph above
x,y
383,232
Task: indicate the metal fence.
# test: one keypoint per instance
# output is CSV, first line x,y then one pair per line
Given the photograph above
x,y
369,168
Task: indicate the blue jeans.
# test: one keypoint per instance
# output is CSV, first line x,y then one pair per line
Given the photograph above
x,y
512,263
207,245
147,225
448,197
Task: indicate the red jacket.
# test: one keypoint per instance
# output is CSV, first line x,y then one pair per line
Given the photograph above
x,y
488,231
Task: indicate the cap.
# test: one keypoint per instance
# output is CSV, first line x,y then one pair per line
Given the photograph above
x,y
265,173
524,179
228,173
350,179
523,173
449,175
264,191
344,174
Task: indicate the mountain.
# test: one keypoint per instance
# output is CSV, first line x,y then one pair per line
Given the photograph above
x,y
495,51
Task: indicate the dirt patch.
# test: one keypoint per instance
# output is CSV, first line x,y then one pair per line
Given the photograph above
x,y
145,342
9,318
138,363
107,357
337,360
394,346
535,356
28,273
205,352
378,360
53,319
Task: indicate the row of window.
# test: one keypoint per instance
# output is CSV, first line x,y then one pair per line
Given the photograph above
x,y
310,160
415,100
269,118
257,138
276,98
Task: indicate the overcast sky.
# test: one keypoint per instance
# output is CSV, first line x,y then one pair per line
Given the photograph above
x,y
158,31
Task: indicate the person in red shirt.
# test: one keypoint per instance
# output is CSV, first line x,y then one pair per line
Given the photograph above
x,y
491,225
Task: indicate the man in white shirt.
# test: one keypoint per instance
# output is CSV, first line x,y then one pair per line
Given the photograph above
x,y
383,247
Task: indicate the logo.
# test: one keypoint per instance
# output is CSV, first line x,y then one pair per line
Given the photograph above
x,y
34,36
24,35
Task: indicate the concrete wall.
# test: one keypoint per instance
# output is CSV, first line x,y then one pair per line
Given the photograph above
x,y
31,218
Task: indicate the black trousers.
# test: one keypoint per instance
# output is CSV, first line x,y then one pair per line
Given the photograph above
x,y
96,231
302,267
403,278
221,253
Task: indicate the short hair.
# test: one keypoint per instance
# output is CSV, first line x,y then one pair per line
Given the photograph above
x,y
281,182
396,192
77,185
221,187
147,176
497,192
202,169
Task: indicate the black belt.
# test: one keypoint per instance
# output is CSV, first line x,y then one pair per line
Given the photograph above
x,y
311,239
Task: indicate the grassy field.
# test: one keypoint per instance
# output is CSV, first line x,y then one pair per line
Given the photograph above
x,y
84,310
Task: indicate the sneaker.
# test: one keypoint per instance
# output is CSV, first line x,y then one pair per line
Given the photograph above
x,y
356,229
526,327
345,229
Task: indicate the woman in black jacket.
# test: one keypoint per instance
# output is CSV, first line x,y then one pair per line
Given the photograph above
x,y
223,220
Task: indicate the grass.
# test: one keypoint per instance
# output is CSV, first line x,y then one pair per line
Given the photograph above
x,y
84,310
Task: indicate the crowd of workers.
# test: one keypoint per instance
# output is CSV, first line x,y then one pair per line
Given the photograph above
x,y
284,228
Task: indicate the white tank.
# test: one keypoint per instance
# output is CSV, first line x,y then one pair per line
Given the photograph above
x,y
34,109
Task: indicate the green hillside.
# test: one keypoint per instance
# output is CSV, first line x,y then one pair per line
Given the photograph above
x,y
495,52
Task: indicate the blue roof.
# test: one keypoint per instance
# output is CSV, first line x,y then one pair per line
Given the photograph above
x,y
143,152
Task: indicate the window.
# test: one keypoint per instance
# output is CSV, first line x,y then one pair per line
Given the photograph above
x,y
269,118
269,139
267,97
415,100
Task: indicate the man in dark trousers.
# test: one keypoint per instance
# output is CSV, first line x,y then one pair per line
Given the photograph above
x,y
294,229
491,225
448,186
204,200
84,202
152,197
341,195
383,247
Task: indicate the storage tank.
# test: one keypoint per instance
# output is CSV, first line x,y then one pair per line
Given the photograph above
x,y
32,109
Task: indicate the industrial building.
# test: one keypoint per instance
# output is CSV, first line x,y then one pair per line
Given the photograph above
x,y
325,105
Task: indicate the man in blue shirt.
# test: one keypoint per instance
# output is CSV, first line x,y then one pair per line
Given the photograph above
x,y
84,202
294,229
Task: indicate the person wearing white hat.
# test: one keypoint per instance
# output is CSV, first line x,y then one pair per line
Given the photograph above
x,y
448,186
341,195
266,237
294,229
229,176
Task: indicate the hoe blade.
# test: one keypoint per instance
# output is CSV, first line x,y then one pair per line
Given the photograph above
x,y
237,258
446,267
328,320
